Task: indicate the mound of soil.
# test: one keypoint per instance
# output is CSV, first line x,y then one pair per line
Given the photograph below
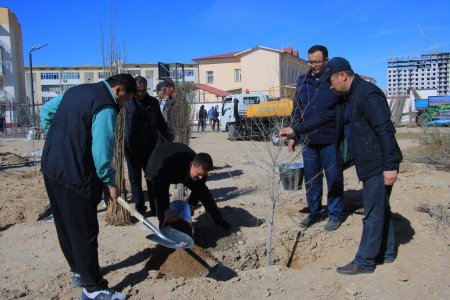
x,y
13,159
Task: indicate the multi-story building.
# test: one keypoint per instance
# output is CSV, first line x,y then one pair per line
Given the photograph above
x,y
52,81
259,69
12,79
424,72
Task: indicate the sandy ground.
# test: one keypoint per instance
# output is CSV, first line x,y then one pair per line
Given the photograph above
x,y
303,261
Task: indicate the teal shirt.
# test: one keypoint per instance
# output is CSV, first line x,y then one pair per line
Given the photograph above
x,y
103,139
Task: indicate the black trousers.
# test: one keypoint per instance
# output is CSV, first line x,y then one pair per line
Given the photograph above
x,y
136,163
77,228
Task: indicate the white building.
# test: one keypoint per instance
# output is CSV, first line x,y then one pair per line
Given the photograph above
x,y
52,81
425,72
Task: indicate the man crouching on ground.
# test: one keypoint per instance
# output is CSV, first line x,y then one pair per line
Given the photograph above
x,y
172,163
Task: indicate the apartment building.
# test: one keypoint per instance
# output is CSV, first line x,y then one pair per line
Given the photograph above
x,y
52,81
424,72
259,69
12,79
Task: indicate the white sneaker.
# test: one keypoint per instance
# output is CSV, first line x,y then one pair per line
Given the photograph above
x,y
107,294
49,219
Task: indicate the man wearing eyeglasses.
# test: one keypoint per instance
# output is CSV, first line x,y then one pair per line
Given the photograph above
x,y
312,100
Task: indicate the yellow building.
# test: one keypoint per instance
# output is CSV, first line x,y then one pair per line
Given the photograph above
x,y
12,79
259,69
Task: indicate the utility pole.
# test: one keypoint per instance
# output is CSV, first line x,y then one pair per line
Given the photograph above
x,y
34,48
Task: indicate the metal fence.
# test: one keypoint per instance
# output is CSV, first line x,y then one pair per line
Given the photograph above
x,y
16,120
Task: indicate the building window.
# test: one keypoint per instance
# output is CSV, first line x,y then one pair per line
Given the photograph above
x,y
103,75
237,75
133,73
70,75
50,75
209,77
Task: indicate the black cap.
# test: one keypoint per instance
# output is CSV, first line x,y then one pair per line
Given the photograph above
x,y
334,65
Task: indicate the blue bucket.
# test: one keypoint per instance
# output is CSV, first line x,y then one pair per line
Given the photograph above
x,y
184,223
291,175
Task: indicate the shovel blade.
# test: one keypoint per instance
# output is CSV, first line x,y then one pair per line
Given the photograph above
x,y
174,239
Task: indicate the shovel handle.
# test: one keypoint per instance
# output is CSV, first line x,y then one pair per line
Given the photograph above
x,y
141,218
130,209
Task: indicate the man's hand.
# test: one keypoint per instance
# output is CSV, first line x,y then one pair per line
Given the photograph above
x,y
287,132
113,193
390,177
170,216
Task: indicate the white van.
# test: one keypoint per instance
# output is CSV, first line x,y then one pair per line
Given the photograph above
x,y
243,101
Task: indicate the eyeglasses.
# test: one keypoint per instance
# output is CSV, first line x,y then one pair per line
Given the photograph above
x,y
310,62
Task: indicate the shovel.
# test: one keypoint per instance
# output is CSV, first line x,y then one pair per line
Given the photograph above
x,y
167,237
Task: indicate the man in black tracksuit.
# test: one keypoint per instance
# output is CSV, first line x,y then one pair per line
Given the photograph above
x,y
144,127
76,164
172,163
363,119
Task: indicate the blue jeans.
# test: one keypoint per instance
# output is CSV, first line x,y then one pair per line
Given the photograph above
x,y
317,159
378,239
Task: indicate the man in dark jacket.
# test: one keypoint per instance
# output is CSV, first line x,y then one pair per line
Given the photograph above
x,y
172,163
76,164
363,119
319,152
144,127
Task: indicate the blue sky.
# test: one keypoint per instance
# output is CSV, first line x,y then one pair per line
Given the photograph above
x,y
366,33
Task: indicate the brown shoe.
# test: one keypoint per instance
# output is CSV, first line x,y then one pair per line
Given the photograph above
x,y
352,269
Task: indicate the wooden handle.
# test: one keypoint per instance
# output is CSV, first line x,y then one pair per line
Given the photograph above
x,y
130,209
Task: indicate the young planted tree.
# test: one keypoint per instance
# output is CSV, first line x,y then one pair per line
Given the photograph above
x,y
113,64
277,164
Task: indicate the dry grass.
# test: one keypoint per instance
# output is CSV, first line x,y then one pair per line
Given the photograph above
x,y
434,148
436,211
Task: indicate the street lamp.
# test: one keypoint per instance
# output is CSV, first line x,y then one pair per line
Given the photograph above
x,y
34,48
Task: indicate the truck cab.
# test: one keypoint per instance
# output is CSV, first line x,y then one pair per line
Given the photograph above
x,y
235,106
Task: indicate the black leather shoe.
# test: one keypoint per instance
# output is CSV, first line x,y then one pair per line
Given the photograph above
x,y
351,269
309,220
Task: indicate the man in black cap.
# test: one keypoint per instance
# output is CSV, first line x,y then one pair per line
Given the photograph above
x,y
144,127
363,119
172,163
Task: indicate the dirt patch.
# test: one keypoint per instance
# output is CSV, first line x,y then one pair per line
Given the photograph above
x,y
12,158
304,261
181,264
23,196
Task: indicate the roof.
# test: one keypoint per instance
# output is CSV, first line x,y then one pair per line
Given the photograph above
x,y
212,90
239,53
218,56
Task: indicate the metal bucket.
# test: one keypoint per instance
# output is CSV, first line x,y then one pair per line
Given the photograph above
x,y
184,223
291,175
